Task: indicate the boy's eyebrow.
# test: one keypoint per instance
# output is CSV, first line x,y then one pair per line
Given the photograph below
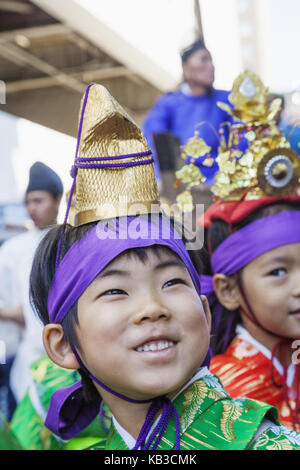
x,y
168,263
121,272
112,272
279,259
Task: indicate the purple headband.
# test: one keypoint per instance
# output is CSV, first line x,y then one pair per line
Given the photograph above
x,y
90,255
255,239
242,247
68,413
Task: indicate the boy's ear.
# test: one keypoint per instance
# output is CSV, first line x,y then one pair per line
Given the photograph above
x,y
58,348
227,291
206,310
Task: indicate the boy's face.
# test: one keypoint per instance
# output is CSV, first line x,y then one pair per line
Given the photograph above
x,y
272,287
42,208
199,69
142,328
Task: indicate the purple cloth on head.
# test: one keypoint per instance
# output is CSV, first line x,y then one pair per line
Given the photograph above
x,y
90,255
255,239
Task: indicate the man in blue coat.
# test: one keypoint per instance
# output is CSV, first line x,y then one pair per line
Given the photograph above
x,y
194,102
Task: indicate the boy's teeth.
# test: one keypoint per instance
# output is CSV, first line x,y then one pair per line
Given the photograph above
x,y
155,346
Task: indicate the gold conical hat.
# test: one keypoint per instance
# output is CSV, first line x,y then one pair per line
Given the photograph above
x,y
107,131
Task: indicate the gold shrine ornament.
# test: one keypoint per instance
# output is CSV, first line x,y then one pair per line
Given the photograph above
x,y
278,172
266,166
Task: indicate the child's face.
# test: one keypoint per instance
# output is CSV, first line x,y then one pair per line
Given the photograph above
x,y
142,328
272,287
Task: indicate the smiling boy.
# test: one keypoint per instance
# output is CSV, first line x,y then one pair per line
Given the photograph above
x,y
128,313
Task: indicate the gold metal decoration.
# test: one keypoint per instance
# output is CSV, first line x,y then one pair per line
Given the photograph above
x,y
196,147
190,174
249,97
267,166
278,172
108,131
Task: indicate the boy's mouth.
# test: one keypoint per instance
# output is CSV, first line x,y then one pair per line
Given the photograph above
x,y
155,345
295,312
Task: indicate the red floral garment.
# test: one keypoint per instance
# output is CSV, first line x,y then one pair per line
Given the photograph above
x,y
246,372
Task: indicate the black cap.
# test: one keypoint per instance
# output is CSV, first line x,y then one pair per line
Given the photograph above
x,y
43,178
188,51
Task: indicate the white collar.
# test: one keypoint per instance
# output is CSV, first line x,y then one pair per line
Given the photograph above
x,y
243,334
185,89
127,438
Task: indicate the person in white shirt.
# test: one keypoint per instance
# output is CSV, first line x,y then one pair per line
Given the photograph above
x,y
20,330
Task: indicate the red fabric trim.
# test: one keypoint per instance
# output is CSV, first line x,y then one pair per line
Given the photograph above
x,y
233,212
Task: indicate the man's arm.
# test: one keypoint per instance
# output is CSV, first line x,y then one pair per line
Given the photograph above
x,y
13,314
10,301
157,121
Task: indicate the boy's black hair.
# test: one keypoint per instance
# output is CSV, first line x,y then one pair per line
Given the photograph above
x,y
43,270
215,235
191,49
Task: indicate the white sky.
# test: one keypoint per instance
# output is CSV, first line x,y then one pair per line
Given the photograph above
x,y
23,143
160,28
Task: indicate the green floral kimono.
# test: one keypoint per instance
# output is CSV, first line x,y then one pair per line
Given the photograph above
x,y
27,423
209,419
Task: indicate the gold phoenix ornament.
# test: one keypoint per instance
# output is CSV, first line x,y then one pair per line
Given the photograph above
x,y
267,166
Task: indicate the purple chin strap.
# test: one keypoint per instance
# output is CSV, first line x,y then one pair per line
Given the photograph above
x,y
158,403
69,413
242,247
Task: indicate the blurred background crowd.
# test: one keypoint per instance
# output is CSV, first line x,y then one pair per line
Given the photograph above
x,y
167,62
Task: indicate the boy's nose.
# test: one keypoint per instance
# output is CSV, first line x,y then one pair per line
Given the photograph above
x,y
151,310
296,287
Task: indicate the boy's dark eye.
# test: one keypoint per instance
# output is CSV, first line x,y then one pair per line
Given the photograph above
x,y
114,292
172,282
278,272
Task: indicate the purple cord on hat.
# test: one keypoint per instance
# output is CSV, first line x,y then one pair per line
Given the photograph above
x,y
117,157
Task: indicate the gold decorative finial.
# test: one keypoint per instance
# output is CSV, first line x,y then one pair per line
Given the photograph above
x,y
113,167
256,161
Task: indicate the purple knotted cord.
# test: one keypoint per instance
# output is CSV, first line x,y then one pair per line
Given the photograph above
x,y
73,176
120,157
167,409
113,165
157,403
102,415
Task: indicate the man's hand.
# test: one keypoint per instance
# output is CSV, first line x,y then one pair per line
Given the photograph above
x,y
13,314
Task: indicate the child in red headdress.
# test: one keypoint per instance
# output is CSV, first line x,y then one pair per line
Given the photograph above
x,y
253,238
254,336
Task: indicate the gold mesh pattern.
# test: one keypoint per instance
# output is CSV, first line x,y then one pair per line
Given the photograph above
x,y
108,131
